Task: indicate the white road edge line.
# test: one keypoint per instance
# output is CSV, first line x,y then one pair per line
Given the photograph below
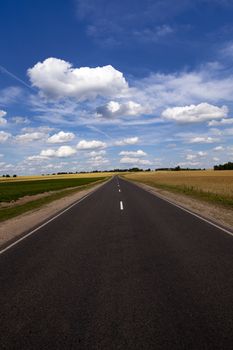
x,y
121,205
188,211
47,222
198,216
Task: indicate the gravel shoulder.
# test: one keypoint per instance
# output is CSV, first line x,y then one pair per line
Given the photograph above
x,y
215,213
16,227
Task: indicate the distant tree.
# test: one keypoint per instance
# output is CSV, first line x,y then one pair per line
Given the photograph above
x,y
14,175
135,169
226,166
162,169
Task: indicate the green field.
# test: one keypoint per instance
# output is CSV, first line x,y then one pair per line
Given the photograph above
x,y
53,188
11,191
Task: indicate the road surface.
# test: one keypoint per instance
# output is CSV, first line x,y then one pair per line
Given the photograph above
x,y
122,269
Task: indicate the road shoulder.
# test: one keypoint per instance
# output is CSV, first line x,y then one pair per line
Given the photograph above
x,y
215,213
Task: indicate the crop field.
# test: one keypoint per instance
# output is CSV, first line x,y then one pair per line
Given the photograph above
x,y
11,191
214,186
53,177
46,190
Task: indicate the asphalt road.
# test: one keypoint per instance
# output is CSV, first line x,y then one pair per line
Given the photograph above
x,y
120,270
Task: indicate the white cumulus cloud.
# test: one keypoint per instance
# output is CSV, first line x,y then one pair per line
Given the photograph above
x,y
65,151
97,161
202,154
61,152
48,152
219,148
2,119
37,158
191,156
195,113
57,78
134,161
202,139
127,141
97,153
30,136
115,109
61,137
89,145
4,136
225,121
138,153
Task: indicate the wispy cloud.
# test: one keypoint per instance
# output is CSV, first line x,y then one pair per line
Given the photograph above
x,y
112,23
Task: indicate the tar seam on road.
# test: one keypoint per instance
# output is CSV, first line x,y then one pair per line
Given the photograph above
x,y
188,211
47,222
121,205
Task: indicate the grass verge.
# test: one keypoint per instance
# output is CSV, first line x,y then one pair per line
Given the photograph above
x,y
8,213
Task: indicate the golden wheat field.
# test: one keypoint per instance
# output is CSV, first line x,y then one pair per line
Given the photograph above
x,y
48,177
207,181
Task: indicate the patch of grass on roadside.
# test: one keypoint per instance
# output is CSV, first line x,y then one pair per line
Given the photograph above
x,y
11,191
10,212
200,194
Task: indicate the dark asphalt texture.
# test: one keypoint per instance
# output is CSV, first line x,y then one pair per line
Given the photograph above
x,y
150,276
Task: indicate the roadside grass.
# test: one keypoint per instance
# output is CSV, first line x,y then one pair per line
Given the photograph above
x,y
10,212
210,186
11,191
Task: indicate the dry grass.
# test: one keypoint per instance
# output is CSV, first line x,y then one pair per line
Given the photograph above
x,y
210,185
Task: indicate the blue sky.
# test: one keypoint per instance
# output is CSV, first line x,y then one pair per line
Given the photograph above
x,y
96,84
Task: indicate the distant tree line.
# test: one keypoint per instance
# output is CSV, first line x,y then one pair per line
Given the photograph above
x,y
226,166
178,168
8,175
99,171
126,170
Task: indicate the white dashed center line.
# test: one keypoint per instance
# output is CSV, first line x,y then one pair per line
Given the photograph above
x,y
121,205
